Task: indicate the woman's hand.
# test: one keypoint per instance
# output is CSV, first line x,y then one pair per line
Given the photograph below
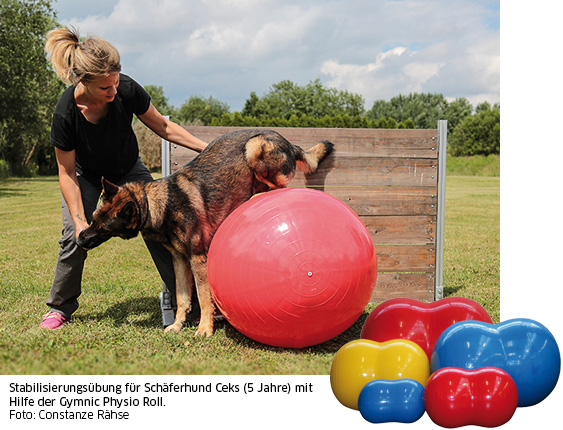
x,y
79,224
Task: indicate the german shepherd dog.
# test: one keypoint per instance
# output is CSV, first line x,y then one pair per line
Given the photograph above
x,y
184,210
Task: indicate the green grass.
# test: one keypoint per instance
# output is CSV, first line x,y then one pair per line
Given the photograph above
x,y
478,165
117,329
472,241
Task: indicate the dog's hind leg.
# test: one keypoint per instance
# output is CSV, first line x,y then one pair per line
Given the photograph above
x,y
184,286
199,268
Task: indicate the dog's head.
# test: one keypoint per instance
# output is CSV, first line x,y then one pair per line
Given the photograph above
x,y
119,214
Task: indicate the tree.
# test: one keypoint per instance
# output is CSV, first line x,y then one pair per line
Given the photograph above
x,y
477,134
484,106
29,88
408,123
159,101
456,112
286,99
199,109
250,105
425,110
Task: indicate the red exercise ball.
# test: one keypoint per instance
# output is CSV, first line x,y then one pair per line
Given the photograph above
x,y
292,267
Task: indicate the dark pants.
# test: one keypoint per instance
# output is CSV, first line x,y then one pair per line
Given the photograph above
x,y
68,274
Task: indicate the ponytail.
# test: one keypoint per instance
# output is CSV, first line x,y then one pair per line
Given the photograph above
x,y
75,60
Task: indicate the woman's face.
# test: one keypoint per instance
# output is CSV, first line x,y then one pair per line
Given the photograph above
x,y
103,90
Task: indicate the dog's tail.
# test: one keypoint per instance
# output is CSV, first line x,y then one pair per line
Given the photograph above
x,y
308,161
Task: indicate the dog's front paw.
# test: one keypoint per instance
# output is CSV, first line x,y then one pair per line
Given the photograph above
x,y
174,328
204,330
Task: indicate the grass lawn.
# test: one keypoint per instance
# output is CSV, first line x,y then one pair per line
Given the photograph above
x,y
117,329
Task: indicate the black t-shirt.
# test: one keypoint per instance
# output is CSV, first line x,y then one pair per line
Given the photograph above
x,y
109,148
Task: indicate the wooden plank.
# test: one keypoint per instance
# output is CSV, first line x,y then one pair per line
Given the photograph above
x,y
369,172
377,142
405,258
316,133
401,229
179,157
405,285
357,171
384,201
379,201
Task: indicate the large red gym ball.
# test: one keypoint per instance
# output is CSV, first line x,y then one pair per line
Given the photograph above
x,y
292,267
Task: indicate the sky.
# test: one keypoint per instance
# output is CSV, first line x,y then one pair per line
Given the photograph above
x,y
229,48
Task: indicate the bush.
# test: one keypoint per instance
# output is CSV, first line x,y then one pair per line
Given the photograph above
x,y
478,165
149,146
237,119
477,134
4,169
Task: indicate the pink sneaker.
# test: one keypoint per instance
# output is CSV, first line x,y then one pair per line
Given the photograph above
x,y
52,320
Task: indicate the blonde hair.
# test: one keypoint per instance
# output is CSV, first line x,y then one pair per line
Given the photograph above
x,y
75,60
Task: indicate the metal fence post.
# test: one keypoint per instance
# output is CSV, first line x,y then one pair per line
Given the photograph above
x,y
165,155
441,215
167,299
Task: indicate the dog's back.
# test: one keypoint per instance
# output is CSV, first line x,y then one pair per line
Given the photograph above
x,y
236,165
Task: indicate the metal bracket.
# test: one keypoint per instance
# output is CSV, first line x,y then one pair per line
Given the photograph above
x,y
167,309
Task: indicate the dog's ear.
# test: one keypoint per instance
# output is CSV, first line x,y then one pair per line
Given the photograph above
x,y
109,189
128,211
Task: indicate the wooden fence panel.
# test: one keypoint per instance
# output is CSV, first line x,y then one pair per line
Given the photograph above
x,y
390,179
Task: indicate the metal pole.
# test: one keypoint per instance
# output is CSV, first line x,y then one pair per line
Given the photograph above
x,y
441,215
167,299
165,155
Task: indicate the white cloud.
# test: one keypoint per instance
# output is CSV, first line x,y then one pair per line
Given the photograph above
x,y
396,71
366,79
420,73
211,41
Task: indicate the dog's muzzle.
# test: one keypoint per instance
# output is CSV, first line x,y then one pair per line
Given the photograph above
x,y
89,240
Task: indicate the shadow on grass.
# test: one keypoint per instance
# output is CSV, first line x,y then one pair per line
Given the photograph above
x,y
15,187
145,312
141,312
13,192
330,346
451,291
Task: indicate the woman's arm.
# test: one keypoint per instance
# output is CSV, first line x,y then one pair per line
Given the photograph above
x,y
170,130
66,162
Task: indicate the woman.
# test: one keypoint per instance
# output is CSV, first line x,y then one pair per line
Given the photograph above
x,y
93,137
